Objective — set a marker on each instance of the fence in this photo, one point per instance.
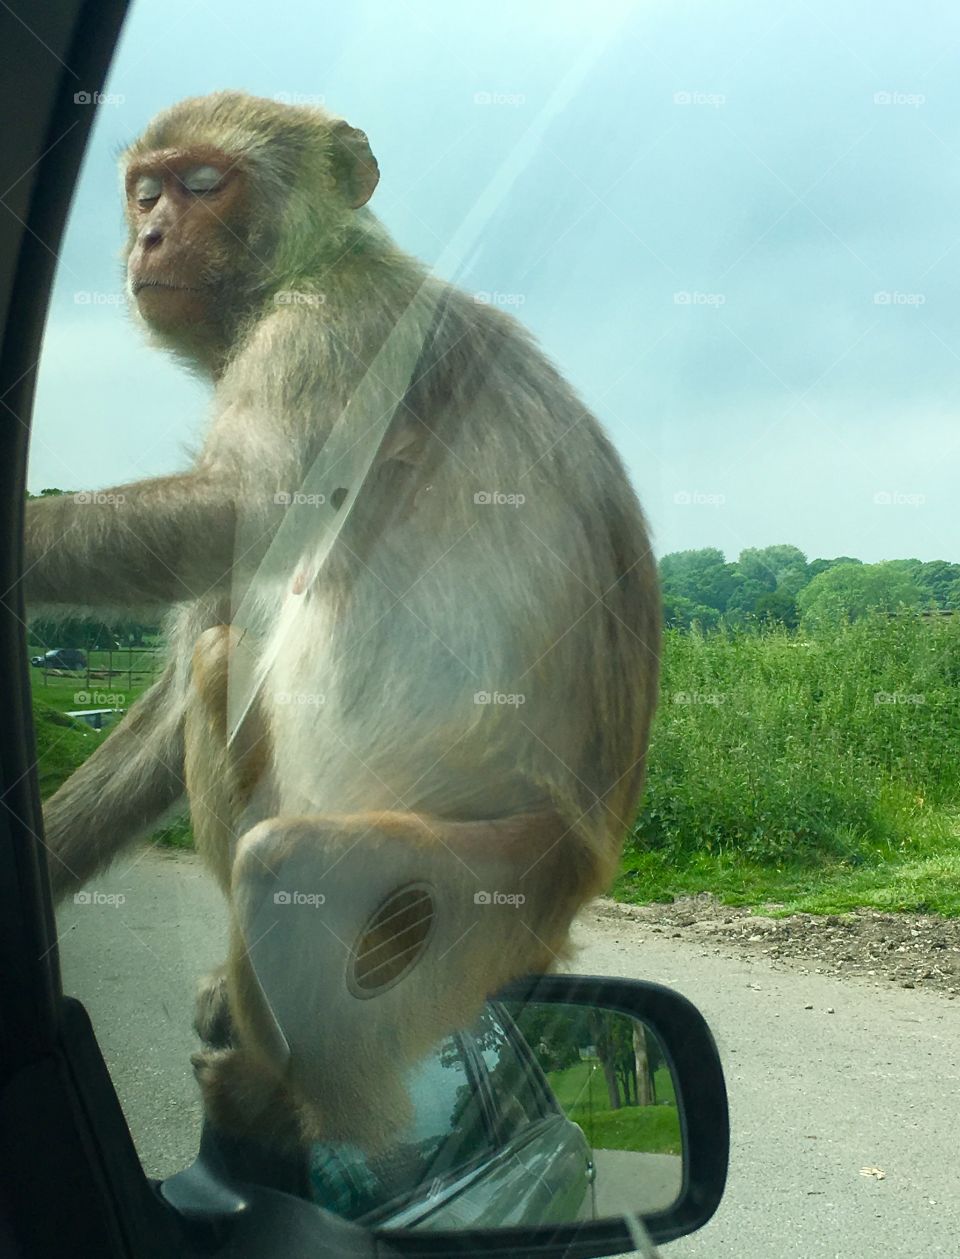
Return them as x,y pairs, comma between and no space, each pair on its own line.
111,678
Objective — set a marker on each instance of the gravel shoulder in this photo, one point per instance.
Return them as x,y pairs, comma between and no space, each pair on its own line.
909,950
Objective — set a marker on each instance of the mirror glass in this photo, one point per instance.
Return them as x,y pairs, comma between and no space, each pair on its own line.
539,1114
611,1076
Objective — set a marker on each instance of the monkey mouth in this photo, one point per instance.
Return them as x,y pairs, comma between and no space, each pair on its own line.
140,285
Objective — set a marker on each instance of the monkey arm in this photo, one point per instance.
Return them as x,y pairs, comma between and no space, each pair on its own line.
152,542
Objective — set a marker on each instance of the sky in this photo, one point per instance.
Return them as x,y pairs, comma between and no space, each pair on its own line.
734,226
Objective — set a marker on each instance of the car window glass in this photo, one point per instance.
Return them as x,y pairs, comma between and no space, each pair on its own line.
733,231
514,1080
138,934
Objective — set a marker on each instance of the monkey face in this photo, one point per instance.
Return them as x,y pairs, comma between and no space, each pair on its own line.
185,208
208,189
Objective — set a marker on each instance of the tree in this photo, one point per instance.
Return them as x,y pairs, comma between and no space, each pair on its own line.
816,567
644,1085
773,567
938,578
604,1039
779,607
89,634
681,613
629,1057
744,598
846,591
703,577
555,1033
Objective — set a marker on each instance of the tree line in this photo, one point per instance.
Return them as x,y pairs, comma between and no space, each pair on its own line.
778,584
772,584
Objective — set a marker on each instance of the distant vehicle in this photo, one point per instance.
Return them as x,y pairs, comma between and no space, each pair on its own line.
61,658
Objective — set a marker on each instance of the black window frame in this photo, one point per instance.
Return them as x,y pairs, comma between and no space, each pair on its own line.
68,1167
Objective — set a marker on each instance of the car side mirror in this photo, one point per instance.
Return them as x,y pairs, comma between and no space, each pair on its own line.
633,1125
578,1116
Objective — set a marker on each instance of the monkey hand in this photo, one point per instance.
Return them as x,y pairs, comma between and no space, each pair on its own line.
243,1099
211,1018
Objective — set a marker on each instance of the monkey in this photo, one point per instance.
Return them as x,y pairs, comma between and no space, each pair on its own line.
413,626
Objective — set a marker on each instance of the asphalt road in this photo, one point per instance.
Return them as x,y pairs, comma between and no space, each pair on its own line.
867,1077
636,1182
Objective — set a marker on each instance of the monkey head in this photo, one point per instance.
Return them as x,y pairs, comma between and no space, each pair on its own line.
231,199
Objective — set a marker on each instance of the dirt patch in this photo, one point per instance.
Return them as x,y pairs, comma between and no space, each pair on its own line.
912,950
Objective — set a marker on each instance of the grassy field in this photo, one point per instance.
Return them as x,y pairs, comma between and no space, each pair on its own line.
817,774
582,1092
791,773
111,680
69,694
62,745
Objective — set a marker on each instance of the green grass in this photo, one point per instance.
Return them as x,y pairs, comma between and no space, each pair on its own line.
781,770
923,885
581,1085
176,834
67,693
646,1129
582,1093
62,745
62,693
133,671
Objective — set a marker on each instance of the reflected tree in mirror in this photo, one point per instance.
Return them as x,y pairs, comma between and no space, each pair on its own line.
609,1074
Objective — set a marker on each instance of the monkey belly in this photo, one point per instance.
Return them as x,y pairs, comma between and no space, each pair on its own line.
385,761
353,729
397,709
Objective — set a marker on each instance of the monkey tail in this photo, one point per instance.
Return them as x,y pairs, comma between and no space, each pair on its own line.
120,793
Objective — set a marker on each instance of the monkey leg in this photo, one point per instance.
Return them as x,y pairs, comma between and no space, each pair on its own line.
211,1011
359,942
220,778
120,792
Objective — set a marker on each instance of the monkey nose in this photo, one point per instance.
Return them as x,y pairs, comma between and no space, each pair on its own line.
152,236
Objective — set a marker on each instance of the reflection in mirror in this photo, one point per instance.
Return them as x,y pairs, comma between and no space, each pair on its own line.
539,1114
610,1075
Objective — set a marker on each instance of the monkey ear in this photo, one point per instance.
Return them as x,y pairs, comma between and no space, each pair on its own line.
354,165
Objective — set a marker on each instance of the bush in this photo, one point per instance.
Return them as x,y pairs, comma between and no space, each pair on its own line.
790,750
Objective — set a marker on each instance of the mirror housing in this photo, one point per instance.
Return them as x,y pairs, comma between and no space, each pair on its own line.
694,1061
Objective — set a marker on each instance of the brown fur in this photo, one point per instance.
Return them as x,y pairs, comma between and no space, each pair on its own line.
285,292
